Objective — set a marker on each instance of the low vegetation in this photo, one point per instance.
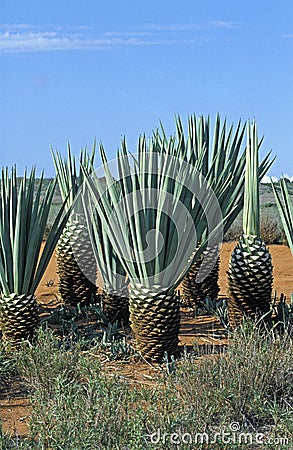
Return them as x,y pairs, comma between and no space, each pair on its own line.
77,403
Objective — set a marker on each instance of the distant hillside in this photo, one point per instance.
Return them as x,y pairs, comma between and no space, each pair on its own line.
272,230
267,197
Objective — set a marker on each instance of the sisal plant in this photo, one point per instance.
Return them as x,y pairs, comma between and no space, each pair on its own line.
219,157
24,209
154,210
250,274
285,207
75,258
114,294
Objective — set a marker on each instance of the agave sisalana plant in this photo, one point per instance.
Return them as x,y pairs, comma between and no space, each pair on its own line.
250,274
285,207
114,295
222,162
24,208
75,259
153,212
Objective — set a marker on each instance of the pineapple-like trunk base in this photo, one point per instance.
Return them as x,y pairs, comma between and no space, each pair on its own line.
250,282
115,305
18,318
76,264
201,280
74,287
155,321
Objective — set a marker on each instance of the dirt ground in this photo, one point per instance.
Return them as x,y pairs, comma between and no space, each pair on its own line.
281,257
282,262
15,409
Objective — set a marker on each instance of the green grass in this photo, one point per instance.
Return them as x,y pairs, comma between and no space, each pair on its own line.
79,404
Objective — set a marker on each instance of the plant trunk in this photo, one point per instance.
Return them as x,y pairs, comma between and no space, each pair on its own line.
18,318
201,280
76,266
250,282
155,321
115,305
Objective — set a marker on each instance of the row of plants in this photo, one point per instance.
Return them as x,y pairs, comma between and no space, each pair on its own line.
153,220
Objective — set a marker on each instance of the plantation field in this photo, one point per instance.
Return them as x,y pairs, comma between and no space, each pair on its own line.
205,330
85,380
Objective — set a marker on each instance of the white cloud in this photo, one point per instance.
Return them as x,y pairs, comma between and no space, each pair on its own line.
15,26
267,179
35,41
32,38
50,41
221,24
170,27
127,33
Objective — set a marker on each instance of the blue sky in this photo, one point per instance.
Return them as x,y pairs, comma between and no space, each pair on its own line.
78,70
